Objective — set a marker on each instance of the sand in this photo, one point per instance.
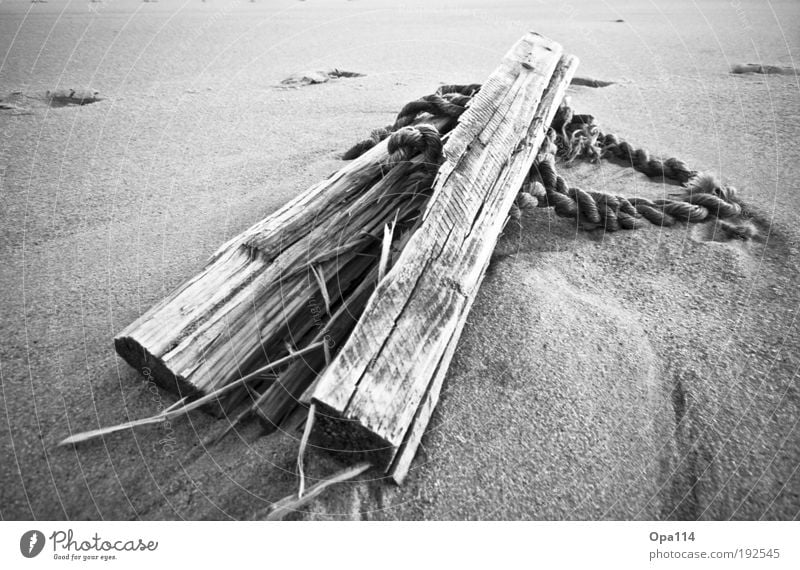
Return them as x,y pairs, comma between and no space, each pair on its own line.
637,375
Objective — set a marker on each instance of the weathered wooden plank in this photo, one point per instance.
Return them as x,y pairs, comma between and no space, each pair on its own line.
293,220
547,109
254,294
373,391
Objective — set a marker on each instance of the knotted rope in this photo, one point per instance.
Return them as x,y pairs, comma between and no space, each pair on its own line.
575,136
446,106
423,139
448,101
376,136
467,90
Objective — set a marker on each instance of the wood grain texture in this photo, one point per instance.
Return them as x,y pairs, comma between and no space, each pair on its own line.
402,461
257,292
384,383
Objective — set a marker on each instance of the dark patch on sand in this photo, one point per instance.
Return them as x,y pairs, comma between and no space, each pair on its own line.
679,403
317,76
72,97
589,82
744,68
684,502
19,103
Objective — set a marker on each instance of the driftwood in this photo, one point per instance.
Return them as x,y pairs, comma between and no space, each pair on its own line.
370,274
377,395
273,288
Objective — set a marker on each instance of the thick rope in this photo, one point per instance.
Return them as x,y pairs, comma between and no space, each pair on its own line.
376,136
420,139
450,102
614,212
575,136
468,90
641,160
433,104
580,137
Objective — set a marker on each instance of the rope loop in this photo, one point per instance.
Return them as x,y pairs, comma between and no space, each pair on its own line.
433,104
420,139
573,136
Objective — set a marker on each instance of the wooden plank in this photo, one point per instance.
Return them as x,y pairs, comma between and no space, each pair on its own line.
255,292
547,109
372,393
295,384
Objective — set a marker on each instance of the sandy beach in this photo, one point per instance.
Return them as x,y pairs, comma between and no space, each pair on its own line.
649,374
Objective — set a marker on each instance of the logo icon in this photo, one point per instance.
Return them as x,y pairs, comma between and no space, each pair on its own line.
31,543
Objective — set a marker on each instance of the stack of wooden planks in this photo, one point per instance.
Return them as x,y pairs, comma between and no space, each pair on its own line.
293,279
377,266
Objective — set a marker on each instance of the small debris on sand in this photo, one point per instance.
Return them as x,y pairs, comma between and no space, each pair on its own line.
64,97
317,76
740,68
589,82
19,103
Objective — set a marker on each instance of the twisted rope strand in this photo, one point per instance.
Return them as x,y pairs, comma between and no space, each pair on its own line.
611,212
574,136
638,158
376,136
433,104
420,139
468,90
449,104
